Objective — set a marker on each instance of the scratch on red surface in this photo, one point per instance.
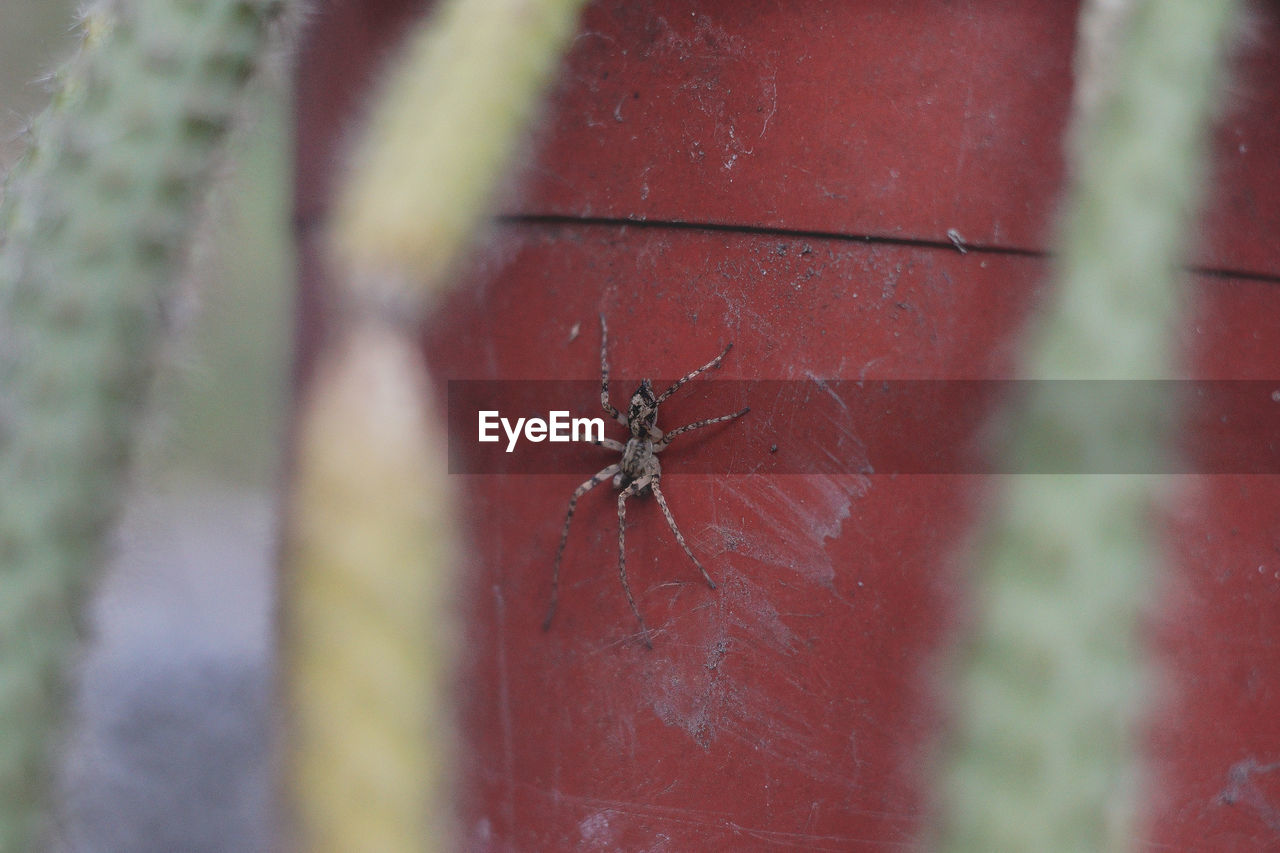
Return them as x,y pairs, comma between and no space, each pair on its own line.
709,52
805,841
695,700
786,521
597,827
1244,786
708,688
504,708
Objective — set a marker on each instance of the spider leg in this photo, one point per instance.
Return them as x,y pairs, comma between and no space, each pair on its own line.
715,362
666,439
599,478
671,522
611,443
630,490
604,375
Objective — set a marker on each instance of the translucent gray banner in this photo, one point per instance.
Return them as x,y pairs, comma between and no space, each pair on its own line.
818,426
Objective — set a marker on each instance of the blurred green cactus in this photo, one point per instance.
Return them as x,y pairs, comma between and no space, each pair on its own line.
94,225
1050,684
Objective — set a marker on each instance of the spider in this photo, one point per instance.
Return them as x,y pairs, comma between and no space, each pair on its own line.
638,472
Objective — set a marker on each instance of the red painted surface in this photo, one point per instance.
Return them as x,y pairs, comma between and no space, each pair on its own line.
795,707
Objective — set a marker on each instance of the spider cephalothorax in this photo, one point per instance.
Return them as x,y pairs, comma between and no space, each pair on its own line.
642,412
638,471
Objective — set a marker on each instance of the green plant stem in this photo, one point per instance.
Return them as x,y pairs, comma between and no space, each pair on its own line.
95,219
1047,692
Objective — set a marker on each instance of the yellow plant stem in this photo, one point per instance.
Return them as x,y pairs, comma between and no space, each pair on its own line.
370,578
444,132
370,564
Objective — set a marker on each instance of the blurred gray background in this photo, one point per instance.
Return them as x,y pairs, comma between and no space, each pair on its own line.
169,748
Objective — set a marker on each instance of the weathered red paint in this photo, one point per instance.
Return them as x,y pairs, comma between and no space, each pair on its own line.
797,706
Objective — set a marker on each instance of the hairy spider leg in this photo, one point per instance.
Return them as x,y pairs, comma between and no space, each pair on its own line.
671,522
646,462
659,446
604,376
633,489
604,474
713,363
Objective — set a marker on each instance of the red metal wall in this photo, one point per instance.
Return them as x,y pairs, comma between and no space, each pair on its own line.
796,707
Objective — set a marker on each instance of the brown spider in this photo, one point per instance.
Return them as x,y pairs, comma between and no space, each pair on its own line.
638,472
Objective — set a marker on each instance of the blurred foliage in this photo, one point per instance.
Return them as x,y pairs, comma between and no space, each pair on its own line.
222,390
104,214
